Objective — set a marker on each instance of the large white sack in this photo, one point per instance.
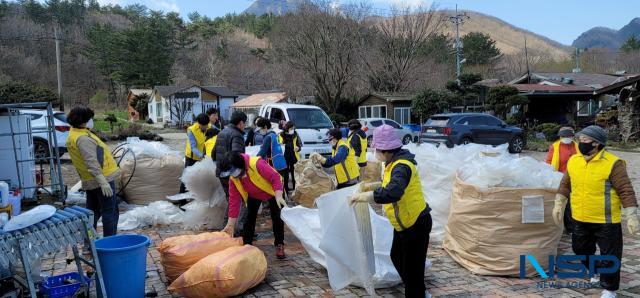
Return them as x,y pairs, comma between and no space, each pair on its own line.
329,235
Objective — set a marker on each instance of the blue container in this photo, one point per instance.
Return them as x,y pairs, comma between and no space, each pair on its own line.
55,286
123,259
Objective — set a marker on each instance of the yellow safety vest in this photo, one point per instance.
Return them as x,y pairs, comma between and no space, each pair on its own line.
200,137
593,199
404,213
363,144
209,144
109,165
555,160
347,171
255,178
295,142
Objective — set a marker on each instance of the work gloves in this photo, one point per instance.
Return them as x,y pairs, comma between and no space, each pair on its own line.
231,226
630,214
370,186
361,197
105,187
558,209
280,200
317,159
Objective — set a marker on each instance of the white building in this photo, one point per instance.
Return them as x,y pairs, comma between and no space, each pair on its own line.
174,104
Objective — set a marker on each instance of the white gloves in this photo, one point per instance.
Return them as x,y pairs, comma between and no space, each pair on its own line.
231,226
370,186
558,209
630,214
363,197
280,200
105,187
317,159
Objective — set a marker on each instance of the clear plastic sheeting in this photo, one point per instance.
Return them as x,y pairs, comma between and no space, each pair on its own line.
201,181
332,237
157,213
149,149
481,165
199,216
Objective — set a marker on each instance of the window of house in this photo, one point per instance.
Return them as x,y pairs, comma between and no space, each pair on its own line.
402,115
588,107
372,111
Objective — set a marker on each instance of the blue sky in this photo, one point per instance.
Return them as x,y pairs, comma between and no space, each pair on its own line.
560,20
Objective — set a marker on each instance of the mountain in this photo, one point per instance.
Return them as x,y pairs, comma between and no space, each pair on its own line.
277,7
509,39
606,37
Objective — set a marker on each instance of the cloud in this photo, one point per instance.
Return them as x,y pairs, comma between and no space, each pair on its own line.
109,2
168,5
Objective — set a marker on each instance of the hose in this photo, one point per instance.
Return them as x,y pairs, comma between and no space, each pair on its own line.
119,154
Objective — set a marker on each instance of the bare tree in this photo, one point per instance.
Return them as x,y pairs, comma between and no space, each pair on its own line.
323,43
180,109
396,59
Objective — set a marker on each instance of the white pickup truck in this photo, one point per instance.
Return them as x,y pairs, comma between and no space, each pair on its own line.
311,122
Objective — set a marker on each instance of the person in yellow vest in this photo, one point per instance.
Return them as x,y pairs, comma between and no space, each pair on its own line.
194,150
292,146
343,160
358,142
96,167
601,197
253,181
401,195
558,157
211,135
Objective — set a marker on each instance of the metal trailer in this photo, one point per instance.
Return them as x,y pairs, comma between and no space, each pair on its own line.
56,187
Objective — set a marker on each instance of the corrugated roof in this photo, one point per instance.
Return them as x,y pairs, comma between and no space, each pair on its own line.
258,99
393,97
549,88
594,80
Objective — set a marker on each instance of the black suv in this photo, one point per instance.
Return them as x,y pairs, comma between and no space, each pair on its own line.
465,128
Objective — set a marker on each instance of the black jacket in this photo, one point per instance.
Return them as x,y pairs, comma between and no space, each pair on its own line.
287,140
357,145
230,139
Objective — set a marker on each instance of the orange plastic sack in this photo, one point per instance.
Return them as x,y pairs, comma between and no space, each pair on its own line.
178,254
230,272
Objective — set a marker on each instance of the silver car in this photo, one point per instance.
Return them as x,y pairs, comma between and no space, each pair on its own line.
369,124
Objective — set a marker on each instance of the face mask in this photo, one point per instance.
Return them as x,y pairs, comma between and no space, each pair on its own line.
90,124
380,156
291,131
236,173
585,148
566,141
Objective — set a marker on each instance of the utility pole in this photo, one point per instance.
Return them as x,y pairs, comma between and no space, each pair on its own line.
56,33
458,19
526,57
577,69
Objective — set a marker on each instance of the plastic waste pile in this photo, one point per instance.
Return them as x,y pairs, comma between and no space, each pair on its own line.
156,213
480,165
335,238
150,171
208,208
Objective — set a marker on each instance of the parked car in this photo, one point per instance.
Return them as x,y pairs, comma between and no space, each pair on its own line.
461,129
311,122
40,134
369,124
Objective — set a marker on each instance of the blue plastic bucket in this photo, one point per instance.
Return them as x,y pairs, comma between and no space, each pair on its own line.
123,259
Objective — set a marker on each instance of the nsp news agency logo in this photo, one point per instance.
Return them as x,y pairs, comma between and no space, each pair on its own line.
570,266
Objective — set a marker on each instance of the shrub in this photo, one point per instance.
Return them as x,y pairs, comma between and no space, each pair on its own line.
550,130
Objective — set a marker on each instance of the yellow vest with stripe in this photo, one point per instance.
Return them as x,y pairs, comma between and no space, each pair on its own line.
255,178
404,213
295,144
209,144
363,144
555,159
200,137
593,199
109,165
347,171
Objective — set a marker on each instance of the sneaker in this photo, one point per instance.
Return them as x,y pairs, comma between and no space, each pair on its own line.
595,279
608,294
280,251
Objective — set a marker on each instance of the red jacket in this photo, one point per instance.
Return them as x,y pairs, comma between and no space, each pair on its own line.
566,151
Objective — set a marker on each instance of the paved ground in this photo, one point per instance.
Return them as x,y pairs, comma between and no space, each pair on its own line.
299,276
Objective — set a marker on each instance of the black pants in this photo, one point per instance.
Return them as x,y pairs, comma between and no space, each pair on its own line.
105,207
187,163
250,225
291,166
568,219
409,253
608,237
